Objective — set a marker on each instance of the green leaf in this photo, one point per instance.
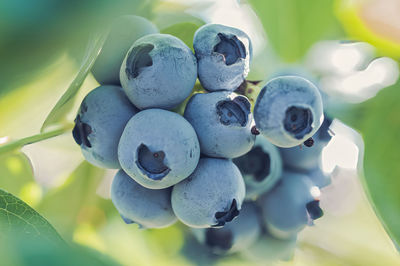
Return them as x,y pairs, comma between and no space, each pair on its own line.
184,31
16,172
292,26
36,252
75,201
378,121
16,217
64,105
168,14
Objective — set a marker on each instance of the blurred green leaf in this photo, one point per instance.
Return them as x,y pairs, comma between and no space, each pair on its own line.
167,14
33,34
292,26
64,105
184,31
378,121
20,251
15,171
17,217
75,201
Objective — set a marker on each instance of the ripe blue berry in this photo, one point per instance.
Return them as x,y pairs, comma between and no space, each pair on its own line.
223,122
234,236
101,119
291,205
211,196
223,55
147,207
159,71
288,111
158,148
261,167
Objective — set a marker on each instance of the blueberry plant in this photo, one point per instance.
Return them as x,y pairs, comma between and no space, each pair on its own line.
199,144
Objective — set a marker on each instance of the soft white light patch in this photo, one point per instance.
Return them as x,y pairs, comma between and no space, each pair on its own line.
3,140
359,86
336,58
346,58
315,192
343,150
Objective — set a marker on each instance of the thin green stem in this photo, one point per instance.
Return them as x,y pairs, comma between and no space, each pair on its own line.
16,144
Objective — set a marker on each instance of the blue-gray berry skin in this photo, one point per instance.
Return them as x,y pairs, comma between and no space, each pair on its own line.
223,54
99,123
124,31
158,148
261,168
269,248
288,111
319,178
223,123
211,196
147,207
234,236
306,158
290,205
159,71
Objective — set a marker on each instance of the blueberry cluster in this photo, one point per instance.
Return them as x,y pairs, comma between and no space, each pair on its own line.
240,182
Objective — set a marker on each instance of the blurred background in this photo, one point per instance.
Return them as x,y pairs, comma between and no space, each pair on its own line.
350,47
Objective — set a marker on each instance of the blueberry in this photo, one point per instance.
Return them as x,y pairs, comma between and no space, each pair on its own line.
211,196
306,158
269,248
158,148
99,123
124,31
290,205
261,167
159,71
147,207
234,236
223,54
223,122
288,111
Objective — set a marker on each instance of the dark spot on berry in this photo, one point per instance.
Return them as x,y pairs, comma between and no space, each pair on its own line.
226,216
298,121
219,239
309,142
256,163
314,210
231,47
81,132
138,58
151,163
255,131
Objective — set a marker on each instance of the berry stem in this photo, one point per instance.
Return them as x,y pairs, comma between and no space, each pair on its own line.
17,144
250,89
